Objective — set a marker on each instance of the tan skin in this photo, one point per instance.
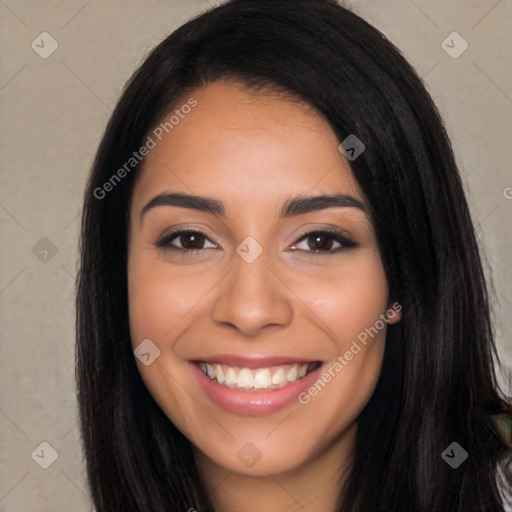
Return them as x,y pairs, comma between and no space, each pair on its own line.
252,151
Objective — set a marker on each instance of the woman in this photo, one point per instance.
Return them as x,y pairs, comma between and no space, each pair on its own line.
281,303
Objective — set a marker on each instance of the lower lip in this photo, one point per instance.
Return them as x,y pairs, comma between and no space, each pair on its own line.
253,403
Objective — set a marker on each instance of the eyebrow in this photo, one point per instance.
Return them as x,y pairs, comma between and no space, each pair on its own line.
292,206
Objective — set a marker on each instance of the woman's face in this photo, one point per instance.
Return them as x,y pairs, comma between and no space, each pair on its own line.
254,291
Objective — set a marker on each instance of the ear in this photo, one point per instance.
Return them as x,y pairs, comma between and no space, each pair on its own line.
394,312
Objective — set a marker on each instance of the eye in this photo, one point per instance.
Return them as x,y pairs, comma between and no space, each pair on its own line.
322,242
192,241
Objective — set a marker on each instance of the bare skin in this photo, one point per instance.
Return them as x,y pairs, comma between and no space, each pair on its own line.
253,151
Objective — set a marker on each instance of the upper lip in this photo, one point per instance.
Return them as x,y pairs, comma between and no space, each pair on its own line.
252,361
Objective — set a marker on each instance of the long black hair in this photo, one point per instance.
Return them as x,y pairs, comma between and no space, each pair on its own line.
438,381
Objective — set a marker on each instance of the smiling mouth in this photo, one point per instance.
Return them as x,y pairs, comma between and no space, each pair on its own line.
257,379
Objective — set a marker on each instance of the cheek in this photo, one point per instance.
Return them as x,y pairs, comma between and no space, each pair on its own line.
351,301
351,306
145,305
159,299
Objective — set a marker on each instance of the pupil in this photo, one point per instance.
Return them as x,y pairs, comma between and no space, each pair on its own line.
320,237
192,237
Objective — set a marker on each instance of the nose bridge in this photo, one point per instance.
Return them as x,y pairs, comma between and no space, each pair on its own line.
251,296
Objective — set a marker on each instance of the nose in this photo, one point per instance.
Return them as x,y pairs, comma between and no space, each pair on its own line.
252,297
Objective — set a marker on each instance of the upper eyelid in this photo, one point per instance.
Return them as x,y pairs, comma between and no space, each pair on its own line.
165,238
173,233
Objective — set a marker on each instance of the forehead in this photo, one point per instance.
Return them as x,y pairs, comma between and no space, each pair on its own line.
245,147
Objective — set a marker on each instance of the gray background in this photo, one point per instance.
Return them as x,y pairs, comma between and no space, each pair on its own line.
53,113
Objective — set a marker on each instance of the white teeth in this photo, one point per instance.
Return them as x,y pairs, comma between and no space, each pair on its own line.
244,379
219,374
291,375
279,377
258,379
230,377
262,379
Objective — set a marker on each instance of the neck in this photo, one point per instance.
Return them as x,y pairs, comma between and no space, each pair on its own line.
314,486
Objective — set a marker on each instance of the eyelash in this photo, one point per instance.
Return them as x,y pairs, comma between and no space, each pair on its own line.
164,241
